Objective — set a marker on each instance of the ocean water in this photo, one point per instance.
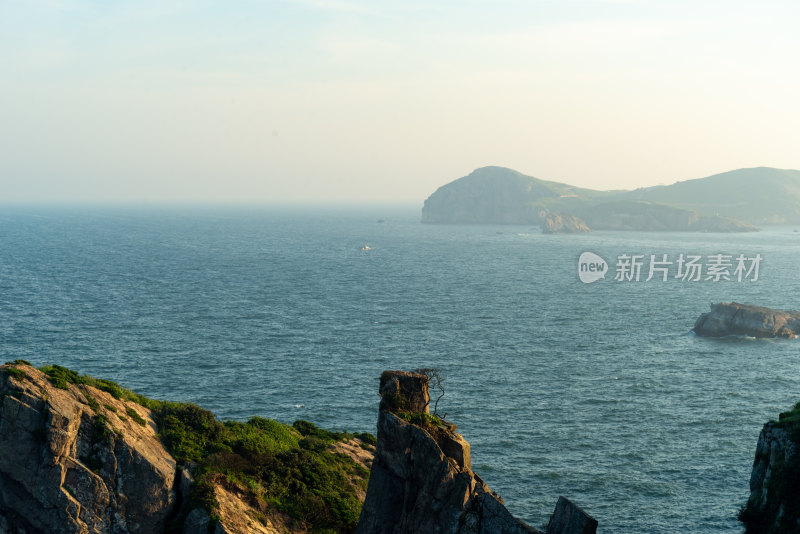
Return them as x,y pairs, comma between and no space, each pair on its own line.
598,392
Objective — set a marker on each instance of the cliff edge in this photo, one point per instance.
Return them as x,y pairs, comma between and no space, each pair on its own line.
774,503
84,455
76,459
422,481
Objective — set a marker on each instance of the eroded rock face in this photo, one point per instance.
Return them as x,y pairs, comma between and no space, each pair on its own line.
772,505
736,319
404,391
555,223
421,478
63,469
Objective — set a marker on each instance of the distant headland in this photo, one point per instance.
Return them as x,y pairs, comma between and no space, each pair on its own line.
734,201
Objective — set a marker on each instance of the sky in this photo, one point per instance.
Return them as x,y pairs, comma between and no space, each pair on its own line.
349,101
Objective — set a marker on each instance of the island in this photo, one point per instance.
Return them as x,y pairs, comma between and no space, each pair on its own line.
735,201
734,319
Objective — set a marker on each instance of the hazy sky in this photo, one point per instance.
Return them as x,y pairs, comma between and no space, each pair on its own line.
293,100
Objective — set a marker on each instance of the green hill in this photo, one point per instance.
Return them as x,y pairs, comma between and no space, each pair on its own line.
728,202
502,196
761,195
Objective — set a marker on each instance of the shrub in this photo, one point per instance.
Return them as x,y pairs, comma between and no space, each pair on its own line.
103,428
189,432
425,420
307,428
93,404
367,438
18,374
60,377
133,414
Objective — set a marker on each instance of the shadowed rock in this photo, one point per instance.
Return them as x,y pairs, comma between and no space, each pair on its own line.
570,519
736,319
772,507
404,391
421,478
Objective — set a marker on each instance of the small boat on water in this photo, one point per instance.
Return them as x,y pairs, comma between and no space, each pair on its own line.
366,247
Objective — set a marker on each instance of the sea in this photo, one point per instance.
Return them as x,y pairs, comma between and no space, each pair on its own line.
596,391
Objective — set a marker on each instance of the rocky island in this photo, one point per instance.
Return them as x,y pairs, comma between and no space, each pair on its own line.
736,319
734,201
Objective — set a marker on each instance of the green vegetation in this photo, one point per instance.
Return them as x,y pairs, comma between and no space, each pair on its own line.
133,414
18,374
791,419
367,439
103,428
92,402
291,469
425,420
61,377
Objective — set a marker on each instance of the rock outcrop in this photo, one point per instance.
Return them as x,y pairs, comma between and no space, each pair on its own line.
421,479
774,503
568,517
556,223
76,460
736,319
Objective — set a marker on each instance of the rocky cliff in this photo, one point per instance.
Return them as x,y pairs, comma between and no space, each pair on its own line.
557,223
75,459
736,319
422,481
83,455
774,503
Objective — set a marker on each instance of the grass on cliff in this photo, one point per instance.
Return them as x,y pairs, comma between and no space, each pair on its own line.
61,376
291,469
